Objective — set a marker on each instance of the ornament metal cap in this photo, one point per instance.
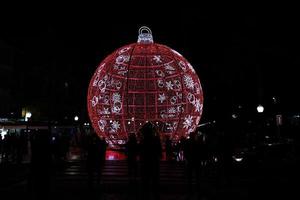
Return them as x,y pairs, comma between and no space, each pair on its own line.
145,35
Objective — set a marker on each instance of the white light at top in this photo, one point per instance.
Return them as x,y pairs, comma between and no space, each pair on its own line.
76,118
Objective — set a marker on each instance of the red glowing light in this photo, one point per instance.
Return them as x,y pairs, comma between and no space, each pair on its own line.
141,82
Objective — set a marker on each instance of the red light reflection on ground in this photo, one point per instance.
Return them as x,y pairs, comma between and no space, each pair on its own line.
115,155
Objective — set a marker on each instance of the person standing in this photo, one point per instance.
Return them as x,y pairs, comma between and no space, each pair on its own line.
132,154
168,149
95,158
192,162
151,153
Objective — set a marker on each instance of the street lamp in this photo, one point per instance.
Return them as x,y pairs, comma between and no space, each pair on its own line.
76,118
27,116
260,109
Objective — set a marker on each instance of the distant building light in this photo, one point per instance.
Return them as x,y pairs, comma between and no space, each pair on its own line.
3,132
260,109
234,116
215,159
4,120
278,120
237,159
76,118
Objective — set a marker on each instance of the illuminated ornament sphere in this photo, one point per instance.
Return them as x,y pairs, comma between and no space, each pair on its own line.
142,82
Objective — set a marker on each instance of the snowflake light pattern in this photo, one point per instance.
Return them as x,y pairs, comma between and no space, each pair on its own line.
115,126
116,97
162,98
188,121
188,81
169,85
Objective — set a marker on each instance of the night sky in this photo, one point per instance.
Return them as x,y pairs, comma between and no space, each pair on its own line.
241,59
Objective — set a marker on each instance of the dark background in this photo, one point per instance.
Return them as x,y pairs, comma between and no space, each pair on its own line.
242,58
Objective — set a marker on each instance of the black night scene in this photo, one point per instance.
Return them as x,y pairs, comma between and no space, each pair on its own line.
155,104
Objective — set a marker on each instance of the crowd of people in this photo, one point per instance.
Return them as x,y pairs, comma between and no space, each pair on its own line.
144,151
195,151
19,146
13,147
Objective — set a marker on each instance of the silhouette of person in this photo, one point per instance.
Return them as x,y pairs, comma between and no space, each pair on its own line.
132,151
180,149
95,158
40,173
168,149
203,151
132,154
150,161
192,161
226,148
21,146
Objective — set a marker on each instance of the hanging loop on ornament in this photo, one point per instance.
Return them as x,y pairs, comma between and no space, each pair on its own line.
145,35
145,28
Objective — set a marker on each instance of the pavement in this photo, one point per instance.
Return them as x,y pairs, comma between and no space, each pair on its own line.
68,180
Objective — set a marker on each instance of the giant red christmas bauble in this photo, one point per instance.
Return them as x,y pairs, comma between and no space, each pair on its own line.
141,82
